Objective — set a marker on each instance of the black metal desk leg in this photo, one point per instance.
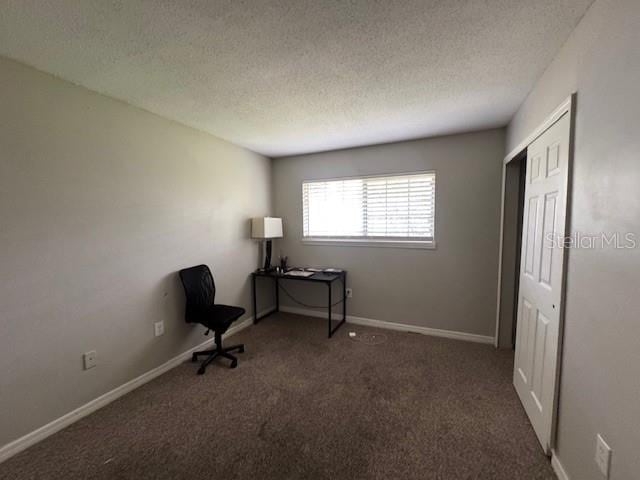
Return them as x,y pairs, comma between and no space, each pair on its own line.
253,297
329,309
344,296
277,295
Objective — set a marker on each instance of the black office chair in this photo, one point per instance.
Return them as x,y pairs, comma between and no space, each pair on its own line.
200,291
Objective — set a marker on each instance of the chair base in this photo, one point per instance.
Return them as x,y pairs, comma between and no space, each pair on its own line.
219,351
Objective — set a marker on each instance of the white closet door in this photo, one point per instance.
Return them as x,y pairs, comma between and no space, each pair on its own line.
541,277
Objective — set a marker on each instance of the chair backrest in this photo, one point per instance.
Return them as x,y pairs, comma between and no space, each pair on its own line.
200,291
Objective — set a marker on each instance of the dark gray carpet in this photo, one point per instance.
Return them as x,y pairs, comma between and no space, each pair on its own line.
300,406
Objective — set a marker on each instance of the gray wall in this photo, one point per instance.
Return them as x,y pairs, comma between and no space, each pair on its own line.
100,203
452,287
600,390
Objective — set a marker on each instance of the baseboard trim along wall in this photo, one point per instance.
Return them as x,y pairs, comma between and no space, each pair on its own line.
557,467
24,442
401,327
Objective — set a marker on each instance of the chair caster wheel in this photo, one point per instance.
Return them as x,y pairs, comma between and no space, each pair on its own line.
241,349
234,364
194,358
201,371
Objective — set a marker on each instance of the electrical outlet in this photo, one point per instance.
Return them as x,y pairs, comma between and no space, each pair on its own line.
349,293
159,328
89,359
603,455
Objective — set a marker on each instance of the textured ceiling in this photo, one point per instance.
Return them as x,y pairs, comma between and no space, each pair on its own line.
285,77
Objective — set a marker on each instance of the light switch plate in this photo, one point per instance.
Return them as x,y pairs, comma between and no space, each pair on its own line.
603,455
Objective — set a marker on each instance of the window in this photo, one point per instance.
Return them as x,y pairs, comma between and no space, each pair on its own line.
394,210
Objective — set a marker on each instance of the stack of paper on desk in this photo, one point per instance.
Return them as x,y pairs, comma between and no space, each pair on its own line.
299,273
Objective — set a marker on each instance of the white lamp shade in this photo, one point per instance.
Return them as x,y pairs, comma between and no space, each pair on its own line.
266,227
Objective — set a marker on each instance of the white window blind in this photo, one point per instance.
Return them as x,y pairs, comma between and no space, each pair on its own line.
396,207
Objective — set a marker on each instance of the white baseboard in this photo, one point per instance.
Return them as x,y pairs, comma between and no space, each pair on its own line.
557,467
370,322
24,442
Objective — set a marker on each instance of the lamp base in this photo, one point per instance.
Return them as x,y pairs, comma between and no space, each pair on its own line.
267,255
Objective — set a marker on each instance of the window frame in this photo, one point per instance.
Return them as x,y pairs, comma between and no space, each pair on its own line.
395,242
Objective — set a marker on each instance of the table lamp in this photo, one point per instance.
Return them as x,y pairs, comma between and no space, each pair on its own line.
266,228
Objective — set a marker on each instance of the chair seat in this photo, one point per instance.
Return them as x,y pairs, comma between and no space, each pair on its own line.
220,317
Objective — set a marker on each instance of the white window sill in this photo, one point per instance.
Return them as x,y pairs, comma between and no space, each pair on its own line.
345,242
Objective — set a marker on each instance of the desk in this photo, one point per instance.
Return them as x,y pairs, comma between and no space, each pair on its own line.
321,277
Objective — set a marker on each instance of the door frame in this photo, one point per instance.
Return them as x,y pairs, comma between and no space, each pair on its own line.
567,107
